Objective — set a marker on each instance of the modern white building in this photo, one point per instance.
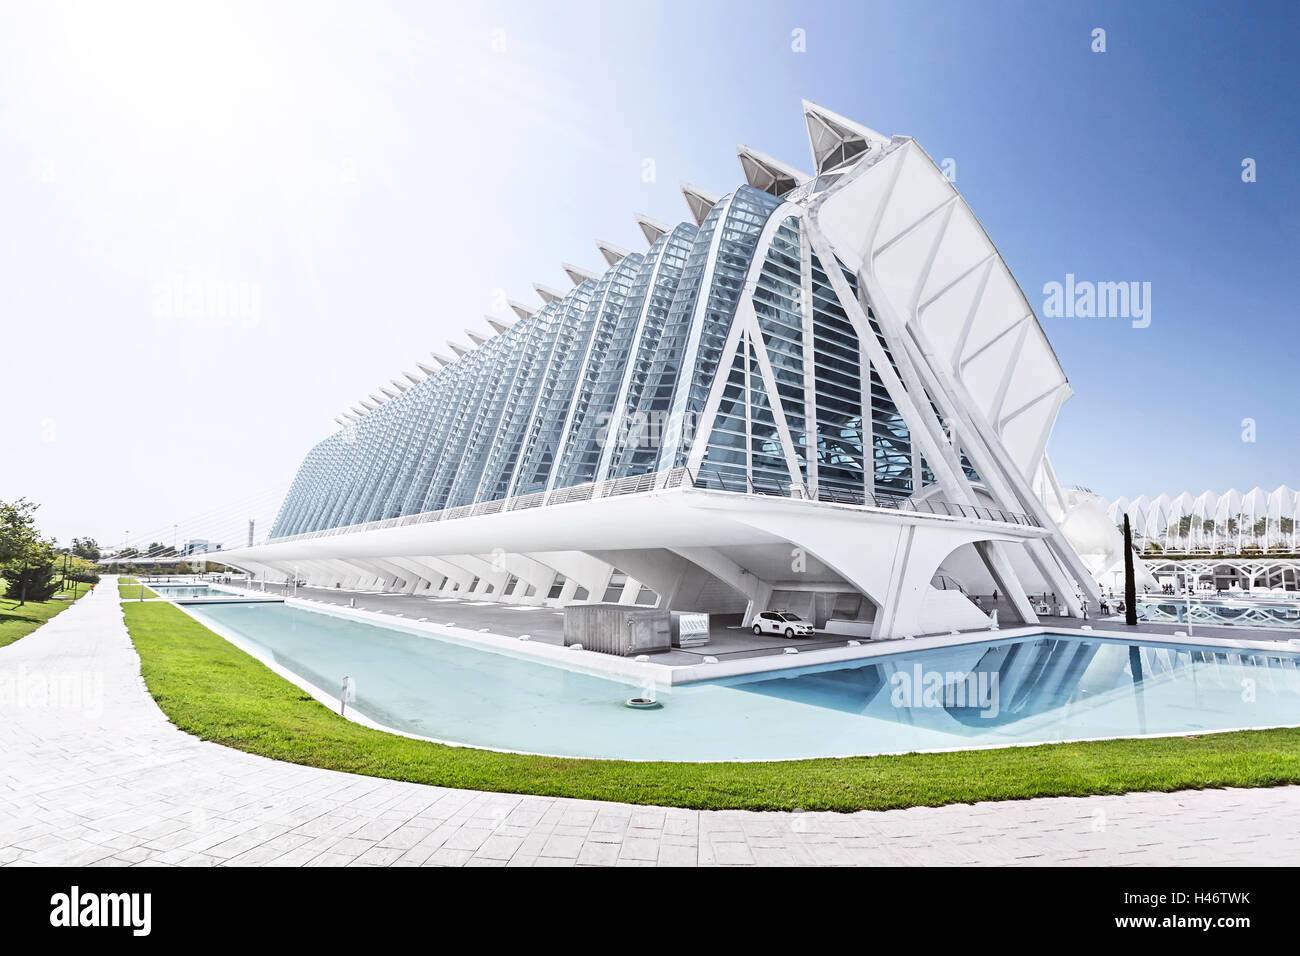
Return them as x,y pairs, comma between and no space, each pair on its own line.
823,392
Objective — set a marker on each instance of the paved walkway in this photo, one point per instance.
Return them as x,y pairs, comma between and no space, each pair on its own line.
92,773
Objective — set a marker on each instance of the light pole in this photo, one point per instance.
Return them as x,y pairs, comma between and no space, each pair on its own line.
1187,582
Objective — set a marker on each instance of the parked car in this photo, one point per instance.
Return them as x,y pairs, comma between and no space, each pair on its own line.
782,622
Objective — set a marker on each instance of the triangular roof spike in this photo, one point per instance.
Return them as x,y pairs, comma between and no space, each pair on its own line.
520,309
399,385
412,377
352,415
388,392
498,325
341,420
613,254
835,139
376,399
367,406
548,294
442,358
700,202
427,370
357,411
577,274
476,337
460,350
652,229
768,174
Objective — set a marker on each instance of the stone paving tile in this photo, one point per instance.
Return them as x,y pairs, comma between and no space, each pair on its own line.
123,787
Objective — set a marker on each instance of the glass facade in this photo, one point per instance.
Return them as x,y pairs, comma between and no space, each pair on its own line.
653,365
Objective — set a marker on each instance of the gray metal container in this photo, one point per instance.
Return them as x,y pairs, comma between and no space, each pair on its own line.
690,629
621,629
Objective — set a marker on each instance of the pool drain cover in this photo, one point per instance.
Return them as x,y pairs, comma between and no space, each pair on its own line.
642,703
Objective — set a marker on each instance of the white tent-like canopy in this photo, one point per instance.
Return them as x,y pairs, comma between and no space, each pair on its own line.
1218,522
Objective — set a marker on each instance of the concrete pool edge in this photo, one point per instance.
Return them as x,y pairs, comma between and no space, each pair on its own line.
628,670
883,648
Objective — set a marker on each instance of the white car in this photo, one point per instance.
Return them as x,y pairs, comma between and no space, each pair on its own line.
782,622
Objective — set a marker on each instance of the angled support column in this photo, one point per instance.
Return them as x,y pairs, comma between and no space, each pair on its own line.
891,560
579,569
758,592
999,565
485,569
660,570
442,568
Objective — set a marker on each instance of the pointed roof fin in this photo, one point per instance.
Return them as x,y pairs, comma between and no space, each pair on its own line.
768,174
548,294
520,310
700,202
613,254
577,274
652,229
836,140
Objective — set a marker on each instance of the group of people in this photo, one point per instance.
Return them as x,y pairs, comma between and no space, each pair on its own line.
1046,602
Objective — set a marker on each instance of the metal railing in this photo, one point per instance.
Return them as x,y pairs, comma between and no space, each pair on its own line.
709,478
859,497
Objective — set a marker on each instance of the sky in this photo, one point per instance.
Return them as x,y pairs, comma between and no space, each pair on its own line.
352,185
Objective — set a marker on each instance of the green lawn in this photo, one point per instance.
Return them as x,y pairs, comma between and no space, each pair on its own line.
129,589
16,621
215,691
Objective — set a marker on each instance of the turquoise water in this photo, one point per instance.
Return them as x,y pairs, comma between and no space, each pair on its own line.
1028,690
174,591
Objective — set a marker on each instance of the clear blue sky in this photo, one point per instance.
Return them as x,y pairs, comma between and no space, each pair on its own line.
381,174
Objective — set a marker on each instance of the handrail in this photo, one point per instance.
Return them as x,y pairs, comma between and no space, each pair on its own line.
710,478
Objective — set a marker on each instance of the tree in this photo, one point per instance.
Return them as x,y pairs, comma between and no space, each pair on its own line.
17,527
26,559
30,574
80,569
87,548
1130,582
